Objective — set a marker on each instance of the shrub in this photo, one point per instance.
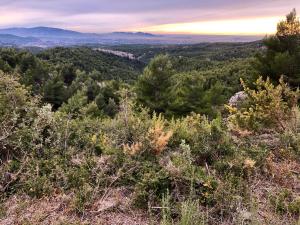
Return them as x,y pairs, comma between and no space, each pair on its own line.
208,140
231,195
157,135
284,202
185,175
17,108
82,199
188,213
135,132
291,136
128,128
152,182
78,101
38,186
269,106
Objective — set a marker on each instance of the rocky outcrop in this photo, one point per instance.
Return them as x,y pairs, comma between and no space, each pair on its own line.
238,99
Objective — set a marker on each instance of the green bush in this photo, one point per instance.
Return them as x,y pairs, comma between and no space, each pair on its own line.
152,182
189,213
208,140
82,199
269,107
291,136
38,186
284,202
17,110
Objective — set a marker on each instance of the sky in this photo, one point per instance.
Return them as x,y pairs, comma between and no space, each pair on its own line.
242,17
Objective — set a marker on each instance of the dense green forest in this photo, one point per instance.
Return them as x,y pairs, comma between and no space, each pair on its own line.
202,51
88,137
56,75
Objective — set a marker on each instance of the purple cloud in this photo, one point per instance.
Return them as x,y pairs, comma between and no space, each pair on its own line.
110,15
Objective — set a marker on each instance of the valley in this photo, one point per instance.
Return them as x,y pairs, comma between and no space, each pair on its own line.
135,128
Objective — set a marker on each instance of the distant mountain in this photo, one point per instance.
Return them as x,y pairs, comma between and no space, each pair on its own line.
50,37
134,34
40,32
8,39
45,32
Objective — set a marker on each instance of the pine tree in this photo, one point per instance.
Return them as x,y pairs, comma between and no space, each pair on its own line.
282,56
55,92
152,86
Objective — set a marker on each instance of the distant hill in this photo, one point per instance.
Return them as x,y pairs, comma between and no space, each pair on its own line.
9,39
202,51
45,32
51,37
86,59
134,34
40,32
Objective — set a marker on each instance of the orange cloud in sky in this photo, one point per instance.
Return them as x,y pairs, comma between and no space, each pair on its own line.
251,26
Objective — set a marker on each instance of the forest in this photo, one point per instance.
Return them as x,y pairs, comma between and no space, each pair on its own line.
198,134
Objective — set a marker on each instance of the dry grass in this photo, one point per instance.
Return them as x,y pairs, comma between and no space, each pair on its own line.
113,210
279,175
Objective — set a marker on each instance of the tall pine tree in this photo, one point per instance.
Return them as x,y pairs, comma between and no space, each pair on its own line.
153,85
282,55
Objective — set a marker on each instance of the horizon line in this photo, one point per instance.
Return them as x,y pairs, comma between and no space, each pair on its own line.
139,31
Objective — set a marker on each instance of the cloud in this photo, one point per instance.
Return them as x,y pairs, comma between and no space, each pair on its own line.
256,26
135,6
112,15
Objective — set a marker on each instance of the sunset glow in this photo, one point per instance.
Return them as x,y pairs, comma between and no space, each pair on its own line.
238,17
256,26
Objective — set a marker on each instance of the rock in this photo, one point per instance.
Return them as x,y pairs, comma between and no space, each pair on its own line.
246,215
238,99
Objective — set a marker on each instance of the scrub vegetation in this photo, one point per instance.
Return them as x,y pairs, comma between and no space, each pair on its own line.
92,138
